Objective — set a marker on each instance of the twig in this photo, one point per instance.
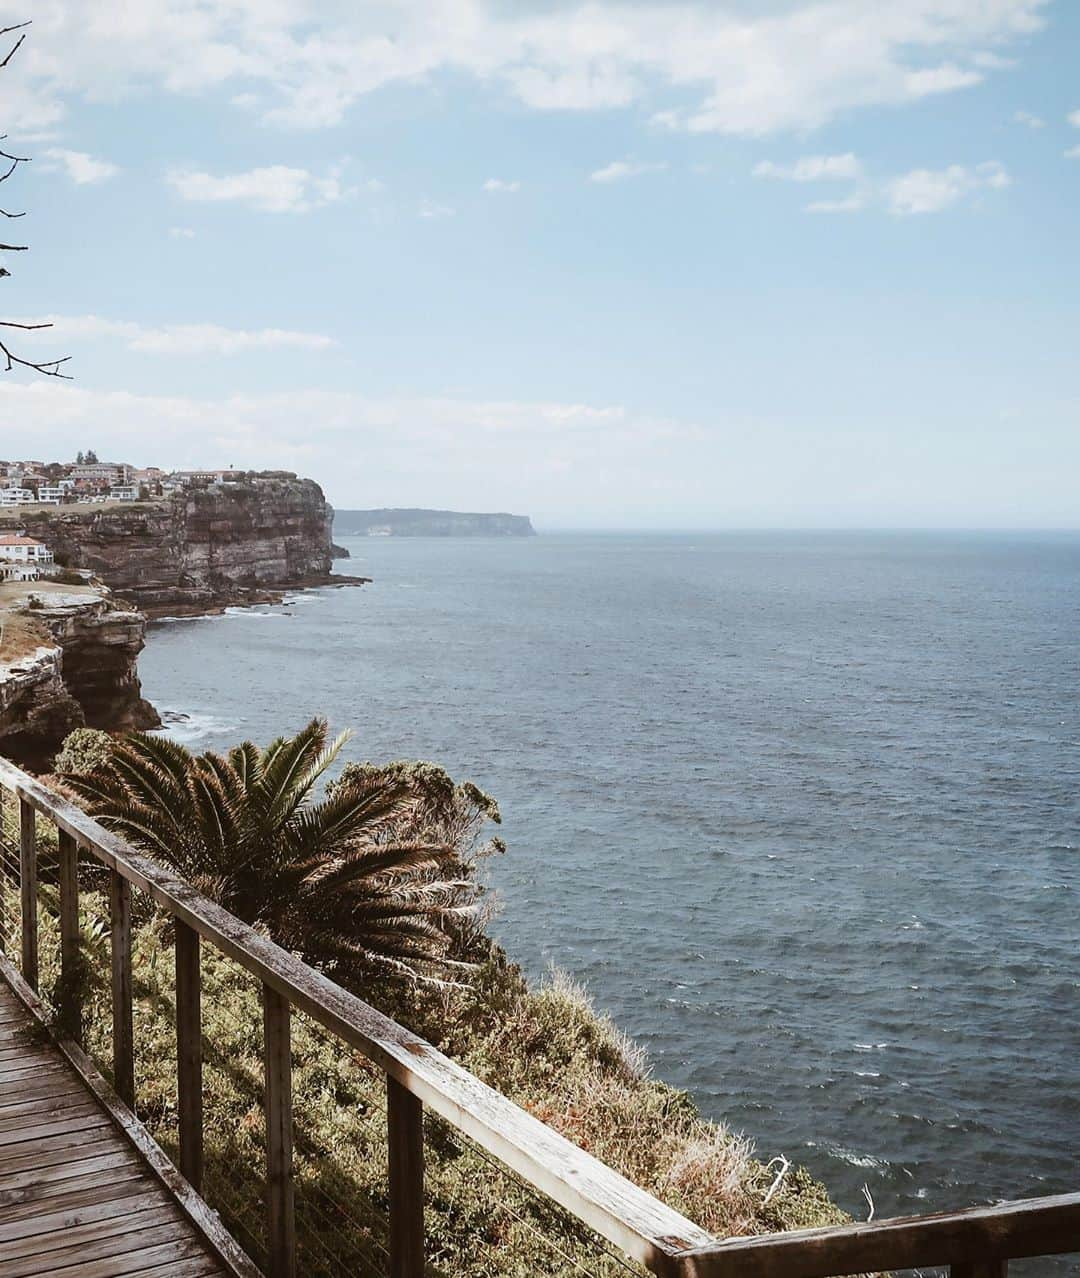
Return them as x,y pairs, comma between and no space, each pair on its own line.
49,367
870,1199
14,49
784,1166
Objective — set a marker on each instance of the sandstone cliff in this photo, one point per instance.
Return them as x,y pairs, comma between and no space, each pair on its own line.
75,667
200,548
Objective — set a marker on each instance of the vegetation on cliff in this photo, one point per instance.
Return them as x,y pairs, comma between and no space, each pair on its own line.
546,1048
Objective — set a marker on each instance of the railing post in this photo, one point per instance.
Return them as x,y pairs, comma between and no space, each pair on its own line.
189,1059
70,958
405,1129
281,1211
28,886
123,1028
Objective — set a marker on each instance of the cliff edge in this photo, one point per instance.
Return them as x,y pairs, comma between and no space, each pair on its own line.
67,660
198,549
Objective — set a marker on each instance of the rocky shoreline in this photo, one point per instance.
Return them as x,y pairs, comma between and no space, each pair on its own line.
70,656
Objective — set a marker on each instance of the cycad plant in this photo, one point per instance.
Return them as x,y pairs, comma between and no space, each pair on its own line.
329,877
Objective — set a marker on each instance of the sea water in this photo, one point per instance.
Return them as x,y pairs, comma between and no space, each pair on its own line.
802,811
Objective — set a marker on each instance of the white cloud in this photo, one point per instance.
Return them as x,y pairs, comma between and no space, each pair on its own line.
942,79
274,189
932,190
918,191
811,168
499,184
81,168
617,170
1074,119
1030,119
181,339
181,232
752,69
1073,153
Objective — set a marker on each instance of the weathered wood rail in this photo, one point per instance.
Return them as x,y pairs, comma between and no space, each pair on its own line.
975,1244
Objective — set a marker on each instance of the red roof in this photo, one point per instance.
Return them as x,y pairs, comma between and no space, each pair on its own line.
10,539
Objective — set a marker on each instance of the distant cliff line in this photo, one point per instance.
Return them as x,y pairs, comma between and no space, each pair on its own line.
415,522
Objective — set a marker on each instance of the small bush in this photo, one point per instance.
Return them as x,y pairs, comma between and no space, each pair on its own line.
83,750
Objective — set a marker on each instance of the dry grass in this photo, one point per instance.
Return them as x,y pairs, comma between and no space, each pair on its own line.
20,636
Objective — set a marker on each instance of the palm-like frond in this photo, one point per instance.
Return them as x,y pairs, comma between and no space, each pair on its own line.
353,880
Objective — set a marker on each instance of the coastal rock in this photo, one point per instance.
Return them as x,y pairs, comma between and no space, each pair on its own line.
201,548
83,673
36,709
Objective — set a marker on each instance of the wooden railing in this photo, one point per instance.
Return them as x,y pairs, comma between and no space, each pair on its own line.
976,1243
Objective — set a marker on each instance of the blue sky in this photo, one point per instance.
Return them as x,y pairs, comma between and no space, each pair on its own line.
634,264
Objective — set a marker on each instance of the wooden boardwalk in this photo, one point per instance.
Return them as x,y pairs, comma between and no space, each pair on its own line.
76,1198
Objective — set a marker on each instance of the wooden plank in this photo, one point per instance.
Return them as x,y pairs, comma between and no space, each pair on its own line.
54,1127
100,1163
632,1219
76,1107
13,1072
1036,1227
70,974
18,1204
116,1227
57,1150
189,1056
135,1261
28,893
84,1214
101,1248
206,1223
405,1136
12,1108
184,1269
26,1090
122,1021
981,1269
280,1205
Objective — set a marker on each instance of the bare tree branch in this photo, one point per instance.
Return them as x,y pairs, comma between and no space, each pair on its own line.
48,367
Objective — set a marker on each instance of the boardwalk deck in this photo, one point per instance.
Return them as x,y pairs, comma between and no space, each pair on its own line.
76,1198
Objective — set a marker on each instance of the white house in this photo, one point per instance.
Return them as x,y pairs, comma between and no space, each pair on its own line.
50,494
17,548
16,496
124,492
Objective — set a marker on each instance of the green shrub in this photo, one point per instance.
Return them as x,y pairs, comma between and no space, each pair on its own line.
83,750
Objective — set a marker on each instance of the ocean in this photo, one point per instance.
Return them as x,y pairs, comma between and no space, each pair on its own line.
800,810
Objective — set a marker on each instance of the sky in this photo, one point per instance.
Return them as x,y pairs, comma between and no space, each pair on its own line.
617,263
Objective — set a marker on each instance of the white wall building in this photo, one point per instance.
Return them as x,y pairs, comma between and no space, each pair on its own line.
16,496
17,548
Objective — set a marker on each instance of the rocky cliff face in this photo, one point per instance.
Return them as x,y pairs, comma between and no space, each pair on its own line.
201,548
36,709
83,674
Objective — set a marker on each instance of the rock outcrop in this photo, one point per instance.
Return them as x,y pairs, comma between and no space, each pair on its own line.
36,709
200,548
82,674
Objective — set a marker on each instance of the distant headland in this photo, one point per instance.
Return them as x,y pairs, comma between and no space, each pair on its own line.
429,523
